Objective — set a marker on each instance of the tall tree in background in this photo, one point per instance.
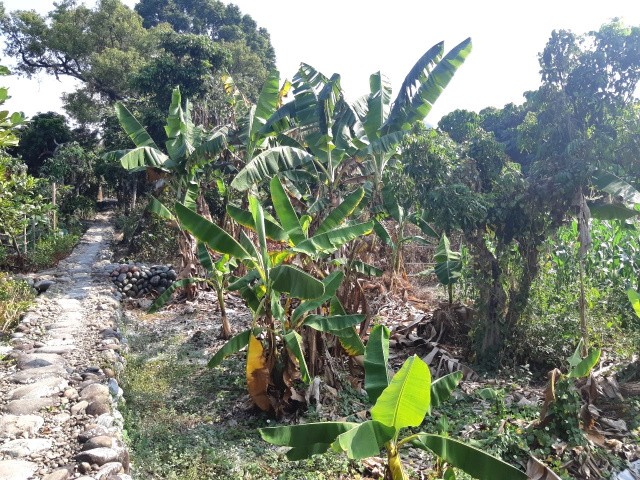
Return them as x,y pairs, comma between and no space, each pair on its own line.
578,124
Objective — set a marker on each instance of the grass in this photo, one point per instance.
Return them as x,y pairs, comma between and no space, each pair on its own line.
184,421
15,297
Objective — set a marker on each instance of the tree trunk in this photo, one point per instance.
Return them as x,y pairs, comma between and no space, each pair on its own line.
226,328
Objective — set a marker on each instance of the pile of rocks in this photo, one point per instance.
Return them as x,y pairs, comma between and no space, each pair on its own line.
137,280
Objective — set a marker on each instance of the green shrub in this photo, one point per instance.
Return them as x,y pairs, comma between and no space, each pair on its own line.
50,250
15,298
79,206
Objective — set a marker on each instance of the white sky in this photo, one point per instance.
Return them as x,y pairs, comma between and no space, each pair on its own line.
356,38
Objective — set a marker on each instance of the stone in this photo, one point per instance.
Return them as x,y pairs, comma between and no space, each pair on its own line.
79,408
95,391
37,360
42,388
17,469
113,387
70,393
97,408
43,285
18,424
59,349
102,441
25,447
102,455
61,417
155,280
84,467
90,433
35,374
107,470
60,474
30,405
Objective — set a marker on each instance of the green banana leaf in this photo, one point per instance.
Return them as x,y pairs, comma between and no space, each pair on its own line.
471,460
335,322
385,145
191,196
204,257
159,209
424,84
238,283
364,440
442,387
615,186
332,240
306,451
405,402
448,264
611,211
583,368
132,127
376,357
331,283
139,158
382,233
341,212
634,298
378,105
162,299
235,344
305,434
244,218
298,284
285,211
294,342
211,147
366,269
418,220
269,163
267,102
209,233
258,220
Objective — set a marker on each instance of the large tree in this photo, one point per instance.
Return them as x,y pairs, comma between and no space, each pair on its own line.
576,126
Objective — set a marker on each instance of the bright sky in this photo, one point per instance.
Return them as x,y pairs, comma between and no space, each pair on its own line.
356,38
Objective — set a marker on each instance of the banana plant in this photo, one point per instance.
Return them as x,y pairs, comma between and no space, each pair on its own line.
189,148
217,278
275,361
403,216
401,402
311,250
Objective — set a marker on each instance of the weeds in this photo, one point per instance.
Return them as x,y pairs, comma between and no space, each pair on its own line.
15,297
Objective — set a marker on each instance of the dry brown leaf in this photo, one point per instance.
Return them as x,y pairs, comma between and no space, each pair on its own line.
536,470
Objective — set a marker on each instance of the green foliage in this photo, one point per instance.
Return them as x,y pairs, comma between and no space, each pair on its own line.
403,403
49,250
15,297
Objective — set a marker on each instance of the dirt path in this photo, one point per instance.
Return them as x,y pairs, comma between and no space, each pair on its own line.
57,389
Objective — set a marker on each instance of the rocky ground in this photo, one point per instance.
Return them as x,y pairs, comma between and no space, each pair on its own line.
58,393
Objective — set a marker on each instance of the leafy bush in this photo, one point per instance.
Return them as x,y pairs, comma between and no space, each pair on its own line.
50,250
15,298
79,206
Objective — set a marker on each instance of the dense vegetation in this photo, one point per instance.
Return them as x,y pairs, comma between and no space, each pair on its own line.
286,193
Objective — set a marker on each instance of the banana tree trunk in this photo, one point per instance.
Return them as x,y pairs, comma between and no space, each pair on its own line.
226,328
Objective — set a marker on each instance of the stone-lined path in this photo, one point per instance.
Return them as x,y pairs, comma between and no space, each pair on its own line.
58,394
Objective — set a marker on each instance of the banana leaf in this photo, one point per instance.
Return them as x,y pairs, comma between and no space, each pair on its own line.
615,186
269,163
376,357
244,218
341,212
611,211
378,105
267,102
335,322
209,233
634,298
235,344
285,211
442,387
330,241
405,402
162,299
132,127
159,209
331,283
364,440
583,368
294,342
304,437
471,460
298,284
